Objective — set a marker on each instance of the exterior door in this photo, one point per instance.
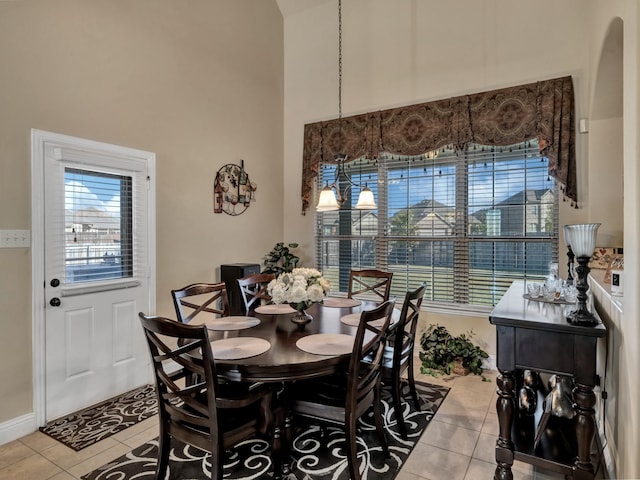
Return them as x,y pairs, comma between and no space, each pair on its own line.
97,271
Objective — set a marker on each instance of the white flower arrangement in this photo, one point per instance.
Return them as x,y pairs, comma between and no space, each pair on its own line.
300,288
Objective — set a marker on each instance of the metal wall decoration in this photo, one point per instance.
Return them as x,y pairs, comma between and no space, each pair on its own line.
233,192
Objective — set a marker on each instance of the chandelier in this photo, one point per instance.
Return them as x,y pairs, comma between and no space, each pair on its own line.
330,197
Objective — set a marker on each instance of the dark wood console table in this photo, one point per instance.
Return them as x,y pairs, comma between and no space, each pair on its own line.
535,335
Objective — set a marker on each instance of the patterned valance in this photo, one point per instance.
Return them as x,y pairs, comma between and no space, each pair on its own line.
542,110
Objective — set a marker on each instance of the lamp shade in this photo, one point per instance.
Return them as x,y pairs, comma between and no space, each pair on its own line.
581,238
327,201
366,200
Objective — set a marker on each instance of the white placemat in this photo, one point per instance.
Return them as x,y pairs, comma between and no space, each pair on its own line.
326,343
341,302
275,309
239,347
233,322
353,319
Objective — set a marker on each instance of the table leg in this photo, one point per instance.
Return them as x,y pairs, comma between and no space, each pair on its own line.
505,408
585,430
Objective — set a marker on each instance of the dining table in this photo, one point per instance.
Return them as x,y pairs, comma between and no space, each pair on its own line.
285,357
267,346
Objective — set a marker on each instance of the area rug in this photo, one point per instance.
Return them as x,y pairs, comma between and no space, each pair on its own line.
313,457
88,426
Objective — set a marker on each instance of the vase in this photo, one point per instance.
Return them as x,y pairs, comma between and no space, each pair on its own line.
301,317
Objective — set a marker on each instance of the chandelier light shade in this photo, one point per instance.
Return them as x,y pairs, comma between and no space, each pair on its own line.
582,240
366,200
327,201
330,197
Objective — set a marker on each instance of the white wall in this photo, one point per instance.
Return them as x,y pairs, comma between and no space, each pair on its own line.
200,83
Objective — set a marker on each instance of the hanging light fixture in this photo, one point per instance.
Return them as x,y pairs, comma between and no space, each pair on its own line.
330,198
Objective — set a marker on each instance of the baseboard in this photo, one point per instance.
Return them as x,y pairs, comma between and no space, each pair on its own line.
607,446
17,427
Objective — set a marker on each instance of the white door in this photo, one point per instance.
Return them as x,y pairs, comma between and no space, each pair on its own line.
98,245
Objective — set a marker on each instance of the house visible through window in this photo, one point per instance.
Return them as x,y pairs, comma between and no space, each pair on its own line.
466,222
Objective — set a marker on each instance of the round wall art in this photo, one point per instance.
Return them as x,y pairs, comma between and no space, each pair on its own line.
233,192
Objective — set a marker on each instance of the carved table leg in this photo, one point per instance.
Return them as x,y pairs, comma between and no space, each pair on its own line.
585,430
504,408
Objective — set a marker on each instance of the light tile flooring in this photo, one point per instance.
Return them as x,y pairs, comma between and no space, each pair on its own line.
457,445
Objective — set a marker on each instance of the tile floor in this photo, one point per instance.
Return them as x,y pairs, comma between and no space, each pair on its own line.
457,445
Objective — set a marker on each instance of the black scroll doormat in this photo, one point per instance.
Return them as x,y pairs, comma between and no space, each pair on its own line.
88,426
312,457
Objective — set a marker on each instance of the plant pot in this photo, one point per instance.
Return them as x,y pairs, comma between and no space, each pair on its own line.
459,369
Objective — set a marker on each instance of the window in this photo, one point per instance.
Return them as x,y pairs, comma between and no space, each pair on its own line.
467,222
98,226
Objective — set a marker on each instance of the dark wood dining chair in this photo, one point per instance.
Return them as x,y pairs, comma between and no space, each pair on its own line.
253,289
205,299
398,353
209,415
342,398
371,284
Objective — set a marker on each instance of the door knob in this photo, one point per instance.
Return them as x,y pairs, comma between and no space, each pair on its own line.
54,302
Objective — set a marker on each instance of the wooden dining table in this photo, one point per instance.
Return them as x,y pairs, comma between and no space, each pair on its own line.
284,360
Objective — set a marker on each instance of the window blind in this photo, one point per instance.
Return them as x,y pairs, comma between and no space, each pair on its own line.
466,222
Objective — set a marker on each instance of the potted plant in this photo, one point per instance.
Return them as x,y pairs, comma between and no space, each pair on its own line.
280,259
444,353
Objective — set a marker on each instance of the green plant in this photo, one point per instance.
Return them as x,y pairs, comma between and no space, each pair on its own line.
440,350
280,259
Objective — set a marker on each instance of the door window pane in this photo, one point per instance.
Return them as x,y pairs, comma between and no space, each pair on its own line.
98,226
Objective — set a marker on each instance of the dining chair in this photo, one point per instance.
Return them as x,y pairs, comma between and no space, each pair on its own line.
342,398
370,283
398,353
254,290
200,299
207,414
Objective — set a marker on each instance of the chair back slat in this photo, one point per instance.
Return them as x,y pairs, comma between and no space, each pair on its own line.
200,300
366,358
254,290
370,284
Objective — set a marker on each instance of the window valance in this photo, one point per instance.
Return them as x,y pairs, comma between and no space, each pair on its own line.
501,117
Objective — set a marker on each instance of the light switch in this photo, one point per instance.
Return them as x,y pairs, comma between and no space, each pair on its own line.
15,238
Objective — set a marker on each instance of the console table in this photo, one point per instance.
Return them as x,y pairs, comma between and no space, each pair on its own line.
536,336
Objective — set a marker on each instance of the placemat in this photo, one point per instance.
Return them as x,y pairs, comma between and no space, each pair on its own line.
353,320
233,322
341,302
275,309
326,343
239,347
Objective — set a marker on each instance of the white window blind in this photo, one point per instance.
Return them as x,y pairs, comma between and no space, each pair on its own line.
99,225
466,222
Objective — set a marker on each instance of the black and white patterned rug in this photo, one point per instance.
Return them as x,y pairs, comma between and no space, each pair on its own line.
312,457
88,426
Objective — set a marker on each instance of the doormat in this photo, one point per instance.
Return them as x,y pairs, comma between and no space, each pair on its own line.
313,457
88,426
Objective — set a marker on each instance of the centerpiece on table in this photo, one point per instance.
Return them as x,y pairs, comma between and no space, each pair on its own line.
299,288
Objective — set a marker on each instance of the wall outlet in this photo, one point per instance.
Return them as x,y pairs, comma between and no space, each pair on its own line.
15,238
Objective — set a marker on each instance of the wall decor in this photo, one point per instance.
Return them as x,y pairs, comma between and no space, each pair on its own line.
602,256
233,192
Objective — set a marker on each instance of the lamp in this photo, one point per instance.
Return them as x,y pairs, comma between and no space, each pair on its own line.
570,256
582,239
330,198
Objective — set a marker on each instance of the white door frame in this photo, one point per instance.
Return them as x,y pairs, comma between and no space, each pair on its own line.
38,139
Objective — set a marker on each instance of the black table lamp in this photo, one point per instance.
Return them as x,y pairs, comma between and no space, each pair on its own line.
582,239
